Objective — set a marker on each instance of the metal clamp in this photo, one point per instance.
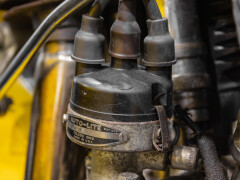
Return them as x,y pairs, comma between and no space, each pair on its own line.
162,145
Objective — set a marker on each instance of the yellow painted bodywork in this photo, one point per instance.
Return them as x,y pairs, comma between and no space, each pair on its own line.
14,129
52,90
161,5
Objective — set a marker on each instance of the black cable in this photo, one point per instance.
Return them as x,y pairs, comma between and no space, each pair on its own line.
184,115
177,135
153,11
97,8
53,20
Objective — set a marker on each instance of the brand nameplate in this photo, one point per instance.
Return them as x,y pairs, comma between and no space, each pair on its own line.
93,133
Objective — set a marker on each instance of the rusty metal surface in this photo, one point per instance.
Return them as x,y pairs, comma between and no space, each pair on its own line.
108,165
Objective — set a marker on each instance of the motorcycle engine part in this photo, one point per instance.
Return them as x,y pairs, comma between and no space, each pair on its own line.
236,141
184,157
125,33
112,109
88,44
157,44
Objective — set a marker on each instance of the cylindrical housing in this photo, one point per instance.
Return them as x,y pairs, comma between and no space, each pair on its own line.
191,81
185,23
184,157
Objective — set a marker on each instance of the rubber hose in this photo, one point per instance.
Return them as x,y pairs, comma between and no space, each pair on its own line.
212,165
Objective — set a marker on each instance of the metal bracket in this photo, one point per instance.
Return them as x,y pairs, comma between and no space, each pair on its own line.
164,144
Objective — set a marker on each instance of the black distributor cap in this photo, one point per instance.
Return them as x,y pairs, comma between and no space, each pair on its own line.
118,95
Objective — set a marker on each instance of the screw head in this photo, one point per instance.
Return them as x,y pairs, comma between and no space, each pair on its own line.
65,117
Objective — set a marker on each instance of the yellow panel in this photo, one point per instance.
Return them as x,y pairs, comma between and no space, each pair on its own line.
52,90
47,125
161,6
14,128
1,15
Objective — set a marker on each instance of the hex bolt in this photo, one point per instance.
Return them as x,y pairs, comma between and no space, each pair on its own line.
128,176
